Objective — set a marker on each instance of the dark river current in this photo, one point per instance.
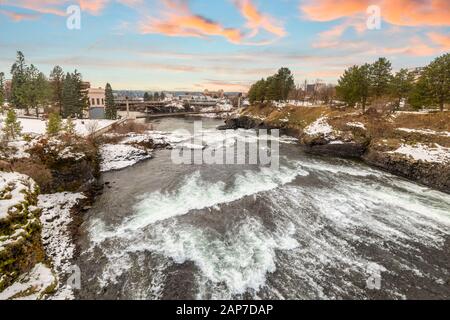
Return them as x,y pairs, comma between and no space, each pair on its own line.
316,228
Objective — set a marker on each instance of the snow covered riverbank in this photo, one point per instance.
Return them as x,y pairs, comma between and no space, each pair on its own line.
82,126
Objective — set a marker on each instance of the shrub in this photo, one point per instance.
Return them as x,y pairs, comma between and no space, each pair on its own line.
54,124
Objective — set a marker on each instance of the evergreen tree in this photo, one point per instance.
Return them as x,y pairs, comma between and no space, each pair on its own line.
74,98
436,79
273,89
54,124
285,83
36,89
354,85
401,85
147,97
257,91
380,76
2,91
419,96
110,106
11,127
156,96
81,97
57,82
18,72
69,126
162,96
68,96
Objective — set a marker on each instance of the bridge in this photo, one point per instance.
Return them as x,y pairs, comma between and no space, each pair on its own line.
177,114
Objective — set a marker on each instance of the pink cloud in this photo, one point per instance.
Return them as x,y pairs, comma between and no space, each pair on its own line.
396,12
257,20
178,20
19,16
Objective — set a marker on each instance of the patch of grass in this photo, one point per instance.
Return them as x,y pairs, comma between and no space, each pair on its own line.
131,126
438,121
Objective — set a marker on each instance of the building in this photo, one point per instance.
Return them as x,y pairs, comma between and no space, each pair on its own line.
96,97
214,94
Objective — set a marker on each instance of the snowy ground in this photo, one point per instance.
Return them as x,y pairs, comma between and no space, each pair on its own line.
426,132
32,285
56,236
437,154
320,127
82,127
119,156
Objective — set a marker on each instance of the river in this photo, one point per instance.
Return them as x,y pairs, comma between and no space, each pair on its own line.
317,228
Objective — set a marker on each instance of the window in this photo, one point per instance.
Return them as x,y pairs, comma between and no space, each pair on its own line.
93,102
98,101
103,102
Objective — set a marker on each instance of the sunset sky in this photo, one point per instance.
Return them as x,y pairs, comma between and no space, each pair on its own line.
214,44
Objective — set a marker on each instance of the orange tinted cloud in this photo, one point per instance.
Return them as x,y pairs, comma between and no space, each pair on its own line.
256,20
180,21
19,16
58,7
397,12
440,39
326,10
42,6
93,6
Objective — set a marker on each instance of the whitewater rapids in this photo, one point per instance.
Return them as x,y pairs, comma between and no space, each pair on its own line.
317,228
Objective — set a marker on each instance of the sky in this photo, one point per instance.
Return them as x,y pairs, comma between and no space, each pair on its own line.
194,45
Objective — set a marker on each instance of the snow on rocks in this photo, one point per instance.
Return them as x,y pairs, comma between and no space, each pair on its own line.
320,127
356,125
14,188
421,152
20,244
33,285
56,237
119,156
426,132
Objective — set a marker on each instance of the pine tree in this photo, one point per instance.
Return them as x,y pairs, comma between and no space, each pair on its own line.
156,96
380,76
57,82
69,126
54,124
74,98
18,70
12,127
146,97
436,78
110,106
354,85
401,85
68,96
81,101
162,96
285,83
36,89
272,89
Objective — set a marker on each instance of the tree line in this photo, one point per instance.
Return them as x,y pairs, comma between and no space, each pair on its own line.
154,97
422,87
66,92
274,88
368,84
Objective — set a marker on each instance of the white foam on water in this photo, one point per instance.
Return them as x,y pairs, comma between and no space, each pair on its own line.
241,258
195,194
330,221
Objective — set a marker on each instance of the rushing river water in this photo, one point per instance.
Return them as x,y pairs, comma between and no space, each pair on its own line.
316,228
